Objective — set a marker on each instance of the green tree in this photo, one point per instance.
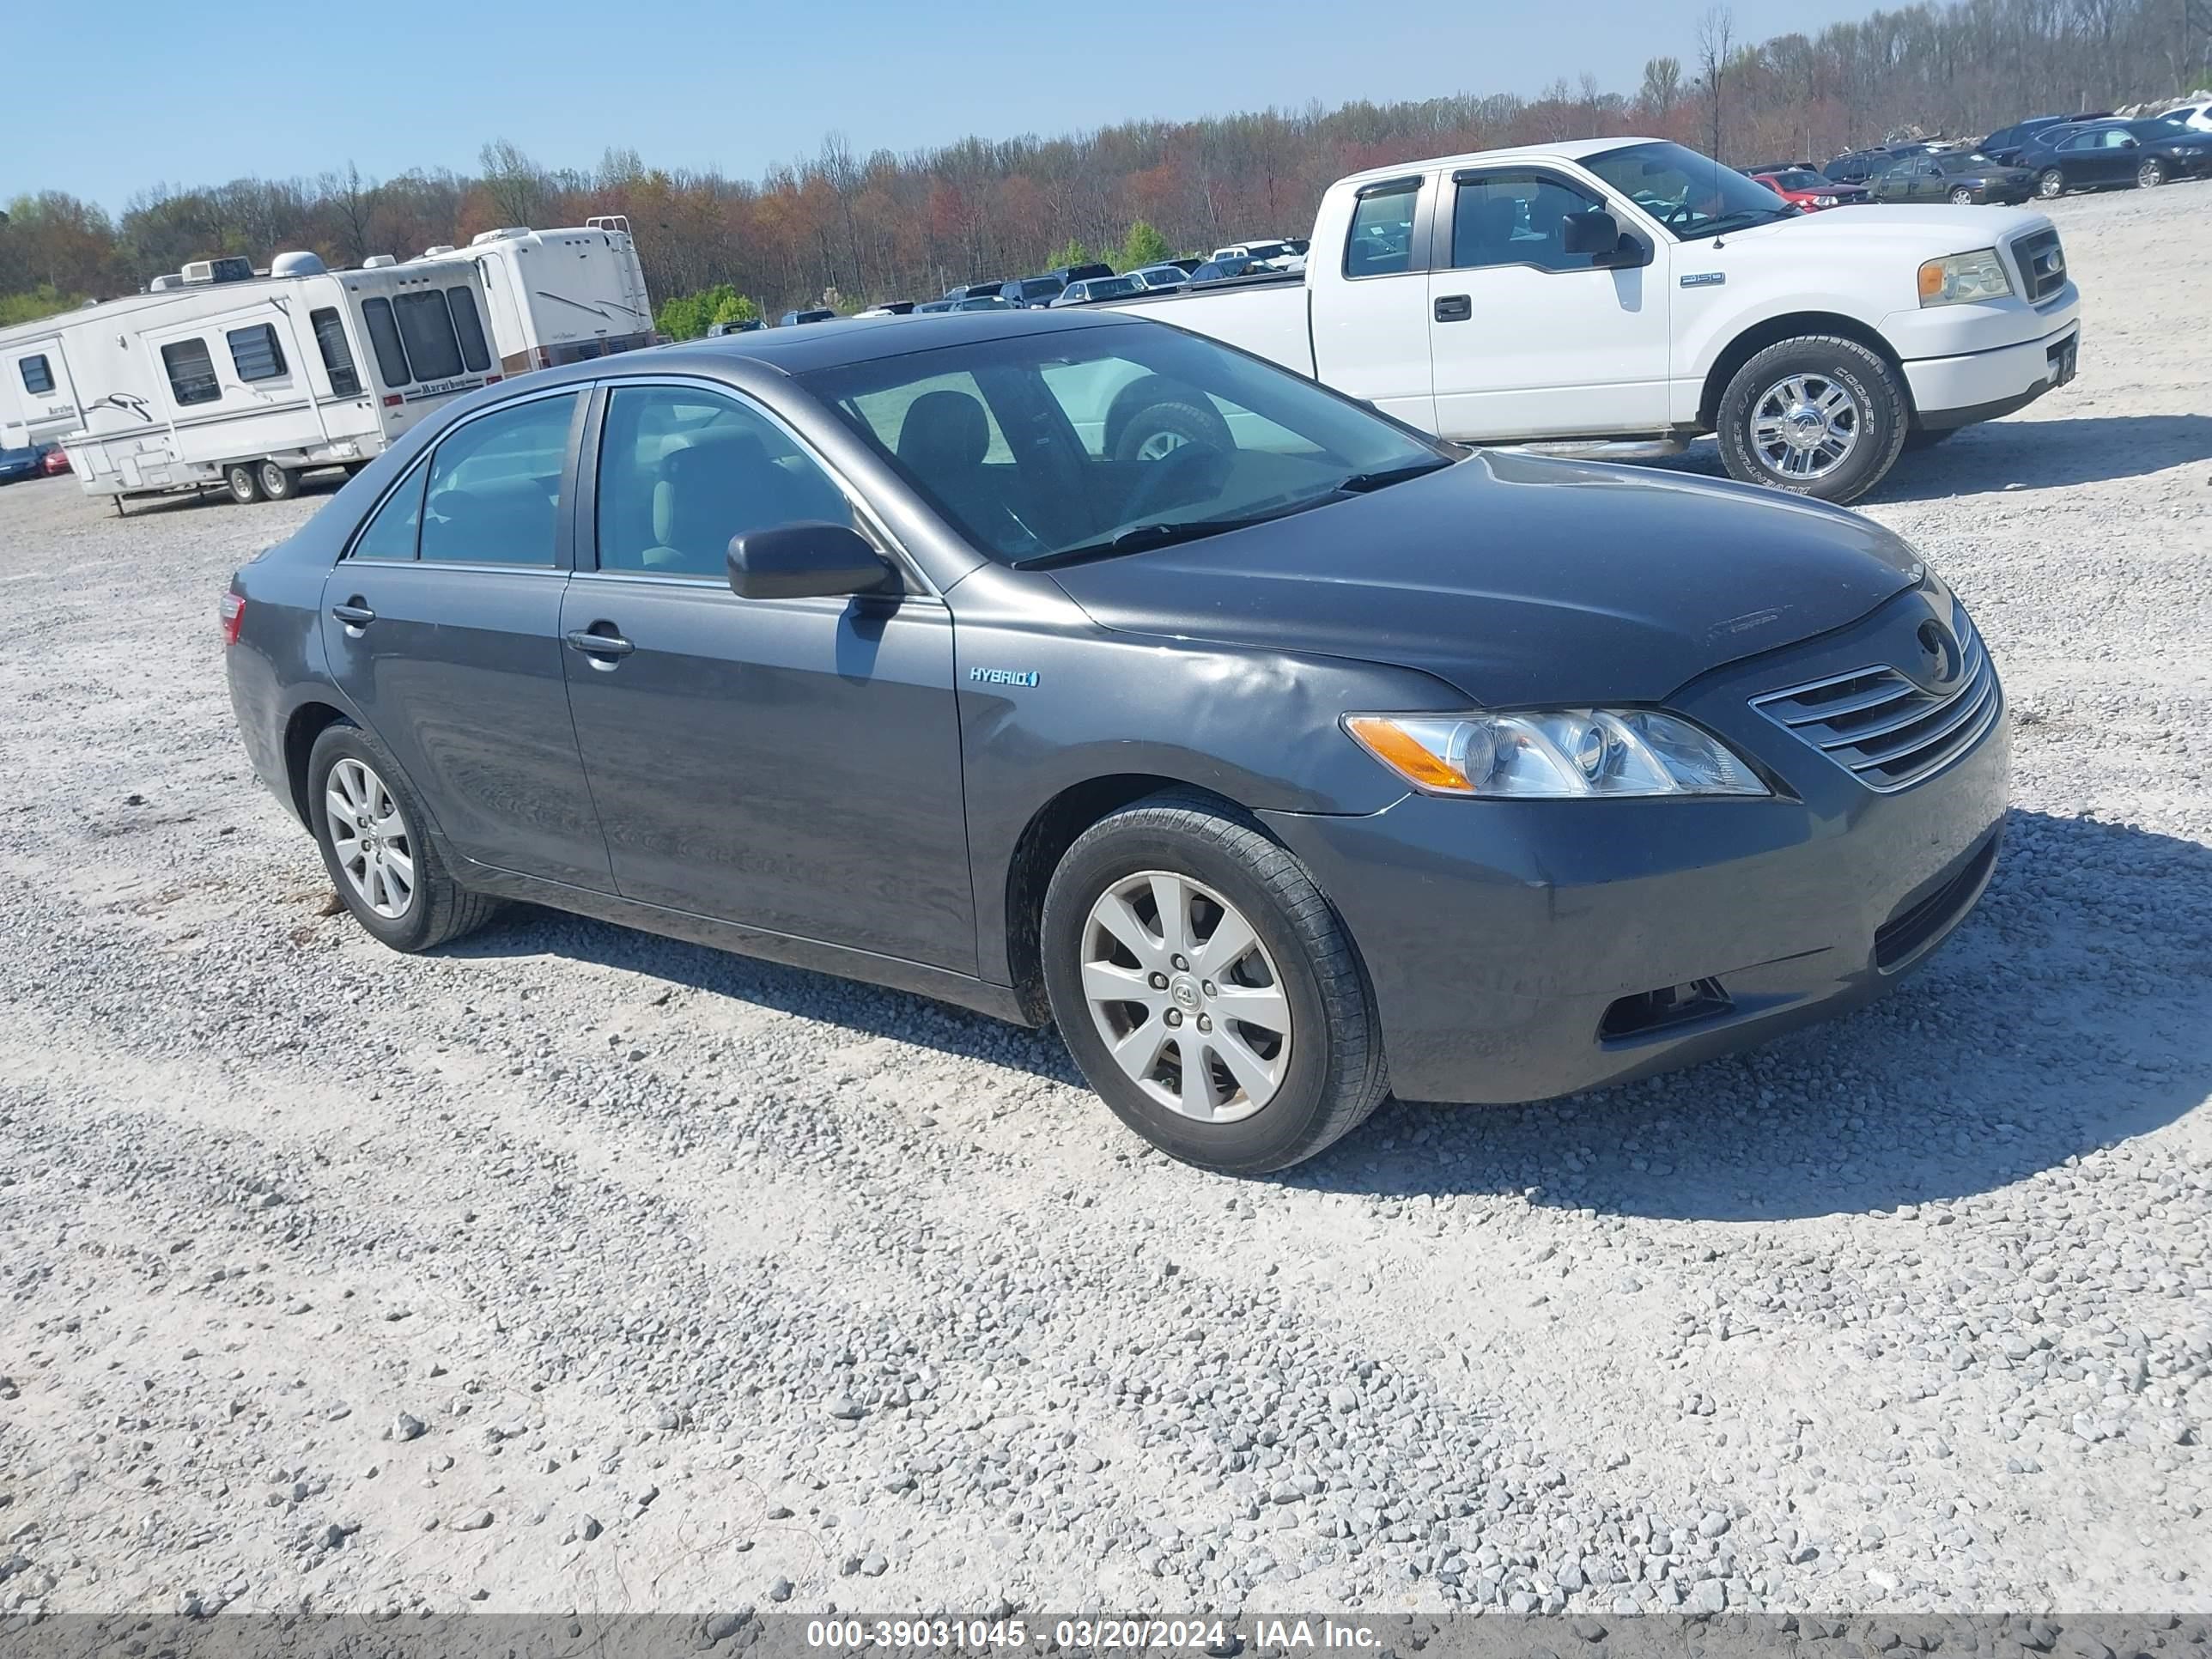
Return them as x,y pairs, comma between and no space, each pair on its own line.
683,317
1073,253
43,301
734,307
1143,246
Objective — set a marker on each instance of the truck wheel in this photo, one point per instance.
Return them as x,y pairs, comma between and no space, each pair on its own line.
279,483
2150,175
1152,419
2050,183
243,479
1818,416
1206,988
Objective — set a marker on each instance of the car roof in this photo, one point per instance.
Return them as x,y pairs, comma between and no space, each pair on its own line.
1572,150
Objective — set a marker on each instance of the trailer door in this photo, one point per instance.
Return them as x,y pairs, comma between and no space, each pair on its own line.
38,398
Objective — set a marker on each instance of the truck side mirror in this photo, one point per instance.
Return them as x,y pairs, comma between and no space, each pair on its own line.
1595,232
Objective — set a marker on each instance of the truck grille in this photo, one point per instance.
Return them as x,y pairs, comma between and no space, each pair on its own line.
1886,731
2041,263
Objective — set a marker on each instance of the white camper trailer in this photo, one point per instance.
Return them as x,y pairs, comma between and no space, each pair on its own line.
560,296
249,383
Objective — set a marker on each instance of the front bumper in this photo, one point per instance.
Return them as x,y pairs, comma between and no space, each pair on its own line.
1981,386
1513,945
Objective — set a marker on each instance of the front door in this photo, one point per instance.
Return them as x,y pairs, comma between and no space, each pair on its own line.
1529,340
442,625
791,765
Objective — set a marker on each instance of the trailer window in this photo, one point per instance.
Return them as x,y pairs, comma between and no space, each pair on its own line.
255,354
38,375
384,337
192,372
338,356
427,328
470,327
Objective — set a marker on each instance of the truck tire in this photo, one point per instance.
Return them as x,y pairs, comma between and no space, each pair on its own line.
1818,416
279,483
1156,416
243,480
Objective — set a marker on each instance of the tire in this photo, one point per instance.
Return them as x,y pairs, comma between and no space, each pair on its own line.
1153,419
2049,183
437,908
2150,175
1877,414
1329,1073
1962,197
279,483
243,480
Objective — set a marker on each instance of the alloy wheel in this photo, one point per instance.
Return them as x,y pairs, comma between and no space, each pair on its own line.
2149,176
1185,997
1160,445
2051,183
370,837
1805,426
1962,198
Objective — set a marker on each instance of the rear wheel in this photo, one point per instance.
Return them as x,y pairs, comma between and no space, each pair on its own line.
2150,175
370,826
1207,989
2049,183
1821,416
243,480
279,483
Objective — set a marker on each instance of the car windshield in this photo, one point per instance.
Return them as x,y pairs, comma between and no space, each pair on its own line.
1130,437
1691,195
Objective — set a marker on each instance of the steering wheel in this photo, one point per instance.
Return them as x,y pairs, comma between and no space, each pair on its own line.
1679,213
1188,473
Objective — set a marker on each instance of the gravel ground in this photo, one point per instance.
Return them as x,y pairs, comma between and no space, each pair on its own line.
576,1268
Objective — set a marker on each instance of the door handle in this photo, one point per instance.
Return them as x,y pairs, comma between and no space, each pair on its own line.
599,645
1454,308
354,613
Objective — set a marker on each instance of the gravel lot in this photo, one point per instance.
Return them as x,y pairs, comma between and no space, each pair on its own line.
576,1268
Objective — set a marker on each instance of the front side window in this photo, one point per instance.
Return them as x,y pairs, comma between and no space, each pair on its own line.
191,373
1381,240
255,354
1517,219
681,472
1691,195
426,326
38,375
384,339
1128,438
338,356
494,486
468,328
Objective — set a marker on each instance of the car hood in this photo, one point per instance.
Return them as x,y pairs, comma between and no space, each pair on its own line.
1920,231
1519,579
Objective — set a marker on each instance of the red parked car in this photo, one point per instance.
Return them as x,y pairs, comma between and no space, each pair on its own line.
55,464
1804,188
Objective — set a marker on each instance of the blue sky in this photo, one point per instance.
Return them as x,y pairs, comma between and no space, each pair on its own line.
160,92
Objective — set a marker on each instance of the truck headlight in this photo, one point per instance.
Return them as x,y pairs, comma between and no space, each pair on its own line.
1554,754
1962,279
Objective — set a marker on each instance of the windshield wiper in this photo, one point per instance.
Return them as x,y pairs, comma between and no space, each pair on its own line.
1140,539
1743,220
1360,482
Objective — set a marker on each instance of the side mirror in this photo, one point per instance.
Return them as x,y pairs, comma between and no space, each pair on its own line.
806,560
1595,231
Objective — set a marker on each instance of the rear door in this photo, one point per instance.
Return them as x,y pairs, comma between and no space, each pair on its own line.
442,626
791,765
1532,341
1370,316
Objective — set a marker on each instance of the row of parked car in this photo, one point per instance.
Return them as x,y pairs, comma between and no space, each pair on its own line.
2041,157
32,461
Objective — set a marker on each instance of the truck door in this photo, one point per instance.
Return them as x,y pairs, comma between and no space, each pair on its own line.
1528,340
1370,316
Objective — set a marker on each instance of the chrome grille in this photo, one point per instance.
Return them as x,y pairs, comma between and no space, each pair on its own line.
2041,263
1886,731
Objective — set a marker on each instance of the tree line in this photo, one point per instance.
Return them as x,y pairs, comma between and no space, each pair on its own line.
858,228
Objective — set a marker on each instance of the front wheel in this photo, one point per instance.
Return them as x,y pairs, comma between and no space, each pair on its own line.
279,483
243,480
2050,183
1962,197
2150,175
1821,416
1206,988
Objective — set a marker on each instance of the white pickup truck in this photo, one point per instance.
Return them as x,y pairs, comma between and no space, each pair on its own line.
1619,297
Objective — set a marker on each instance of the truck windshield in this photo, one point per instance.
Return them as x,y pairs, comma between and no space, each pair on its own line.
1692,195
1131,437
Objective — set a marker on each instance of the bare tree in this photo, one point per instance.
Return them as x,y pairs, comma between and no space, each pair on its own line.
1716,49
515,183
350,203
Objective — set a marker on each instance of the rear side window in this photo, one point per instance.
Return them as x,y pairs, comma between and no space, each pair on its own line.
426,328
391,534
338,356
494,487
1381,240
468,328
38,375
192,372
384,339
255,354
1517,219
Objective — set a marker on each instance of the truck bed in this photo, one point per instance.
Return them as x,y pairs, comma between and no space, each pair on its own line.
1266,315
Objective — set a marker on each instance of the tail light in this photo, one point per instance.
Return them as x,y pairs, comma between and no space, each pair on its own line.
493,380
393,400
232,611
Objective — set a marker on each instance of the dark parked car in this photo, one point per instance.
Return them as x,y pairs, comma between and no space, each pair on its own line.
1308,759
2006,143
793,319
2099,154
1032,290
1961,178
1857,167
28,462
1080,273
1218,271
975,291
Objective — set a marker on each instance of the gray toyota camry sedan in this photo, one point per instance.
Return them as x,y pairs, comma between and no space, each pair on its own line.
1074,668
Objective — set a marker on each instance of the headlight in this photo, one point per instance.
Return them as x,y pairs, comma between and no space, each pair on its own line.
1962,279
1824,201
1554,754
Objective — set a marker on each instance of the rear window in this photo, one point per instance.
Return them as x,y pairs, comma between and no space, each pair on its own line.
38,375
384,339
426,329
338,356
255,354
469,328
192,372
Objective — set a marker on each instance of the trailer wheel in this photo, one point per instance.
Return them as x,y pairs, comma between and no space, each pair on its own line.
244,480
279,483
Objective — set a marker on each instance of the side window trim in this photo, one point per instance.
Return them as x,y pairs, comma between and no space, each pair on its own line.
585,517
1447,218
564,537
